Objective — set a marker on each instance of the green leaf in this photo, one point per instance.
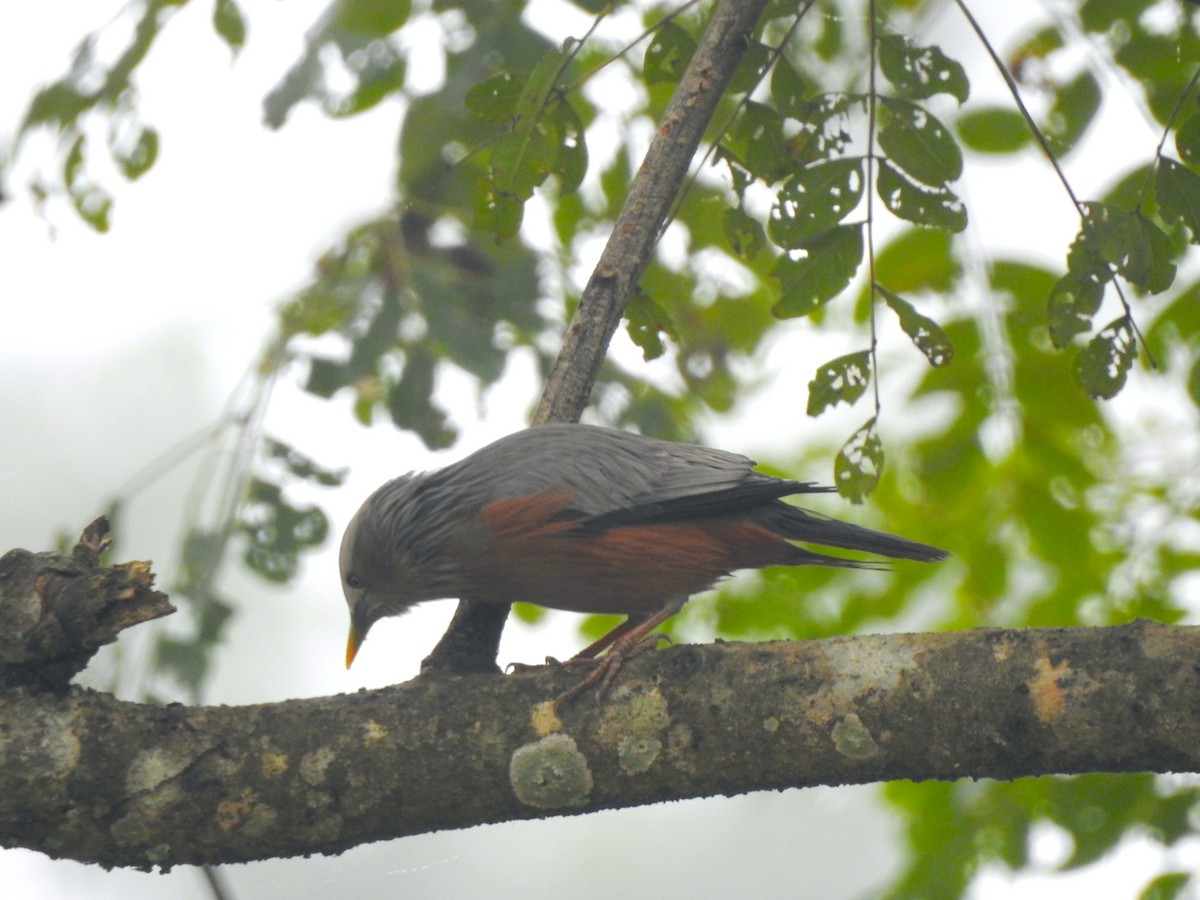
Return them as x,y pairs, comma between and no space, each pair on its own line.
1167,886
302,466
824,127
1178,192
377,80
90,201
57,104
93,204
924,332
915,141
920,72
751,68
906,199
993,130
826,270
841,380
918,260
498,214
1193,382
137,158
495,98
276,532
1187,140
522,160
1158,271
756,143
743,233
814,200
1073,301
668,54
1105,362
647,322
572,161
788,89
371,18
859,464
1129,242
1075,105
229,24
410,401
542,139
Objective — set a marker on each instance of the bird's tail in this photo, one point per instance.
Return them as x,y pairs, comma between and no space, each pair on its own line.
797,524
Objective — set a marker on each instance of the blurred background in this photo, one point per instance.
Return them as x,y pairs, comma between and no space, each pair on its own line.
172,300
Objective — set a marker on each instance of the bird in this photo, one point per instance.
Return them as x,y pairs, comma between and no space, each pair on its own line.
587,519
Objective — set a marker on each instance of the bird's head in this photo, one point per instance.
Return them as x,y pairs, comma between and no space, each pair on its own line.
394,555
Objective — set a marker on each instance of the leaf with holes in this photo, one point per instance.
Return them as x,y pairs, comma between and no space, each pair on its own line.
859,464
814,200
647,323
788,89
906,199
826,270
572,159
924,332
1073,302
921,72
743,233
915,141
824,124
1104,364
495,98
841,380
1178,192
1128,242
522,160
668,54
756,142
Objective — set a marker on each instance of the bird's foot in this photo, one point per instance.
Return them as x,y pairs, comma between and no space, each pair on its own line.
518,668
605,669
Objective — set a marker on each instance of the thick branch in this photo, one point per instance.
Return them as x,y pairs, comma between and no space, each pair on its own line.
85,775
470,642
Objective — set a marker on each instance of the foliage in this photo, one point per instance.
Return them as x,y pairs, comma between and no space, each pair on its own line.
830,192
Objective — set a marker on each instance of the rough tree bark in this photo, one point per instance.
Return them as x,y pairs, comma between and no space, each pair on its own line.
88,777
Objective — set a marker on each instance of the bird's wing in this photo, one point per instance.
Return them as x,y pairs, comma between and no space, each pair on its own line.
617,477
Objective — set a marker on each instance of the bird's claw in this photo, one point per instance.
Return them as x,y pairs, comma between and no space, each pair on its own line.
605,668
518,668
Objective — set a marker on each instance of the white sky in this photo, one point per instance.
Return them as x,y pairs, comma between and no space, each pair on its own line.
116,346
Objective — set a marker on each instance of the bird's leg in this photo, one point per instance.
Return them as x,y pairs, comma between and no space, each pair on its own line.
629,639
588,654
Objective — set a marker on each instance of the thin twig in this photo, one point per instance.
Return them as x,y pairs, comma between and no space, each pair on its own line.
1049,154
870,173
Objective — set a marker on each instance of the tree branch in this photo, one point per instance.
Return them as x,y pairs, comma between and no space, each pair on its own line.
471,640
56,610
99,780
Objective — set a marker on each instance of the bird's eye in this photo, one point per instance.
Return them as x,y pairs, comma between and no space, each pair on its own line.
355,582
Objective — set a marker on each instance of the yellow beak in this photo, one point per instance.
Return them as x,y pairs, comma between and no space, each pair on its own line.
353,643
